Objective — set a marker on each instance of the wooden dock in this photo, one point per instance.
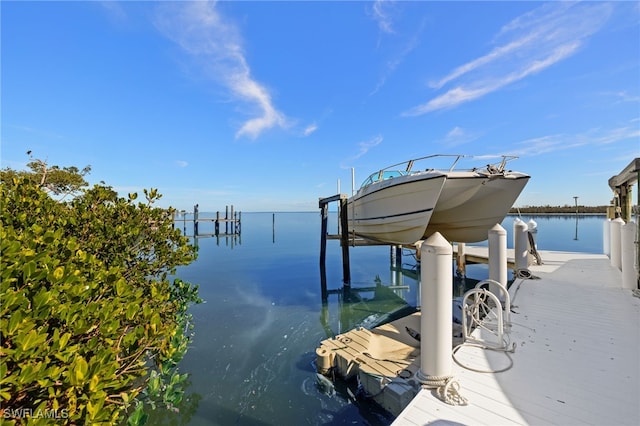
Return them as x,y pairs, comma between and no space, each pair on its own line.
576,360
232,223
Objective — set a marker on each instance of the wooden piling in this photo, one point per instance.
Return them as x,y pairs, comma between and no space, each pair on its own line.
195,220
323,204
344,220
324,212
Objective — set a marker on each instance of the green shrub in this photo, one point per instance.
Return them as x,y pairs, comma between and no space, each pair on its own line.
91,326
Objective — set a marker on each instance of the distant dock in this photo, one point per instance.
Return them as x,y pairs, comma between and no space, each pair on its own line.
229,225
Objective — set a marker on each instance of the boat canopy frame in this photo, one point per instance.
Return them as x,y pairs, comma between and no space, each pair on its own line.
393,171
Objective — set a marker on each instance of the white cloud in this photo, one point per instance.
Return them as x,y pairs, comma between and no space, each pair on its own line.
203,33
400,55
367,145
181,163
114,10
310,129
561,142
380,14
532,43
455,133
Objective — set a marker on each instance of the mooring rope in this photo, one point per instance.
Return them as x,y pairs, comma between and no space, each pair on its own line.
447,389
525,274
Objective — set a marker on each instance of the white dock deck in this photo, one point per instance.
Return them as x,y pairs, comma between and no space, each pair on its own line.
577,359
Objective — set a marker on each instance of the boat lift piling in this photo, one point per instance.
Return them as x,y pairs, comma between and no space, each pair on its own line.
344,241
347,240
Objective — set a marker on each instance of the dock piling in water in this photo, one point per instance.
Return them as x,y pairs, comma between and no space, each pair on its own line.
235,222
323,203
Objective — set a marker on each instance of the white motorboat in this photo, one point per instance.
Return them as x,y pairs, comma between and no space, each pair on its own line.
474,200
404,203
394,206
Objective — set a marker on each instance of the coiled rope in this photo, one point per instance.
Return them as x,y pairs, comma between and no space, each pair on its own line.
447,389
525,274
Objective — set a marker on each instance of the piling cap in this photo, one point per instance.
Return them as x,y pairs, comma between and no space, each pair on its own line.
519,224
497,229
438,244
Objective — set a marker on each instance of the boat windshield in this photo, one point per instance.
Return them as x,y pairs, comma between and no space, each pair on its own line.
383,175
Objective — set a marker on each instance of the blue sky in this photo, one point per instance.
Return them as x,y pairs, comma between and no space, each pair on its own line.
267,105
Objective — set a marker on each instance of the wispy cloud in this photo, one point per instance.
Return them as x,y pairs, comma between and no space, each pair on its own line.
623,97
458,136
383,13
181,163
400,55
202,32
365,146
380,14
310,129
530,44
114,10
563,142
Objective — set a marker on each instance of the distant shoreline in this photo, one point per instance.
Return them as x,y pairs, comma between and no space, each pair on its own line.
595,210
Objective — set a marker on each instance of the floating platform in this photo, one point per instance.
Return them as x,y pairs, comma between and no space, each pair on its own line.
385,360
576,358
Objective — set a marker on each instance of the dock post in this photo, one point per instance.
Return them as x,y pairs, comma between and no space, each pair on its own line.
606,237
520,244
195,220
217,227
344,242
532,226
616,243
628,251
226,219
323,249
396,257
233,221
461,261
498,258
436,284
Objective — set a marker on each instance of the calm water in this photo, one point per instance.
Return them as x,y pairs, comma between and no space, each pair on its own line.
252,358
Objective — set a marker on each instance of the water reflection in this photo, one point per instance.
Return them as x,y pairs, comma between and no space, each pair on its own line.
252,360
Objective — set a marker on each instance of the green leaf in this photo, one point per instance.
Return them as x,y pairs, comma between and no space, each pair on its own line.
28,269
64,339
121,287
80,369
58,273
138,417
14,322
31,340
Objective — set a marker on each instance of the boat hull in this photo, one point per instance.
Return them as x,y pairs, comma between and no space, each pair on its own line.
471,203
395,211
